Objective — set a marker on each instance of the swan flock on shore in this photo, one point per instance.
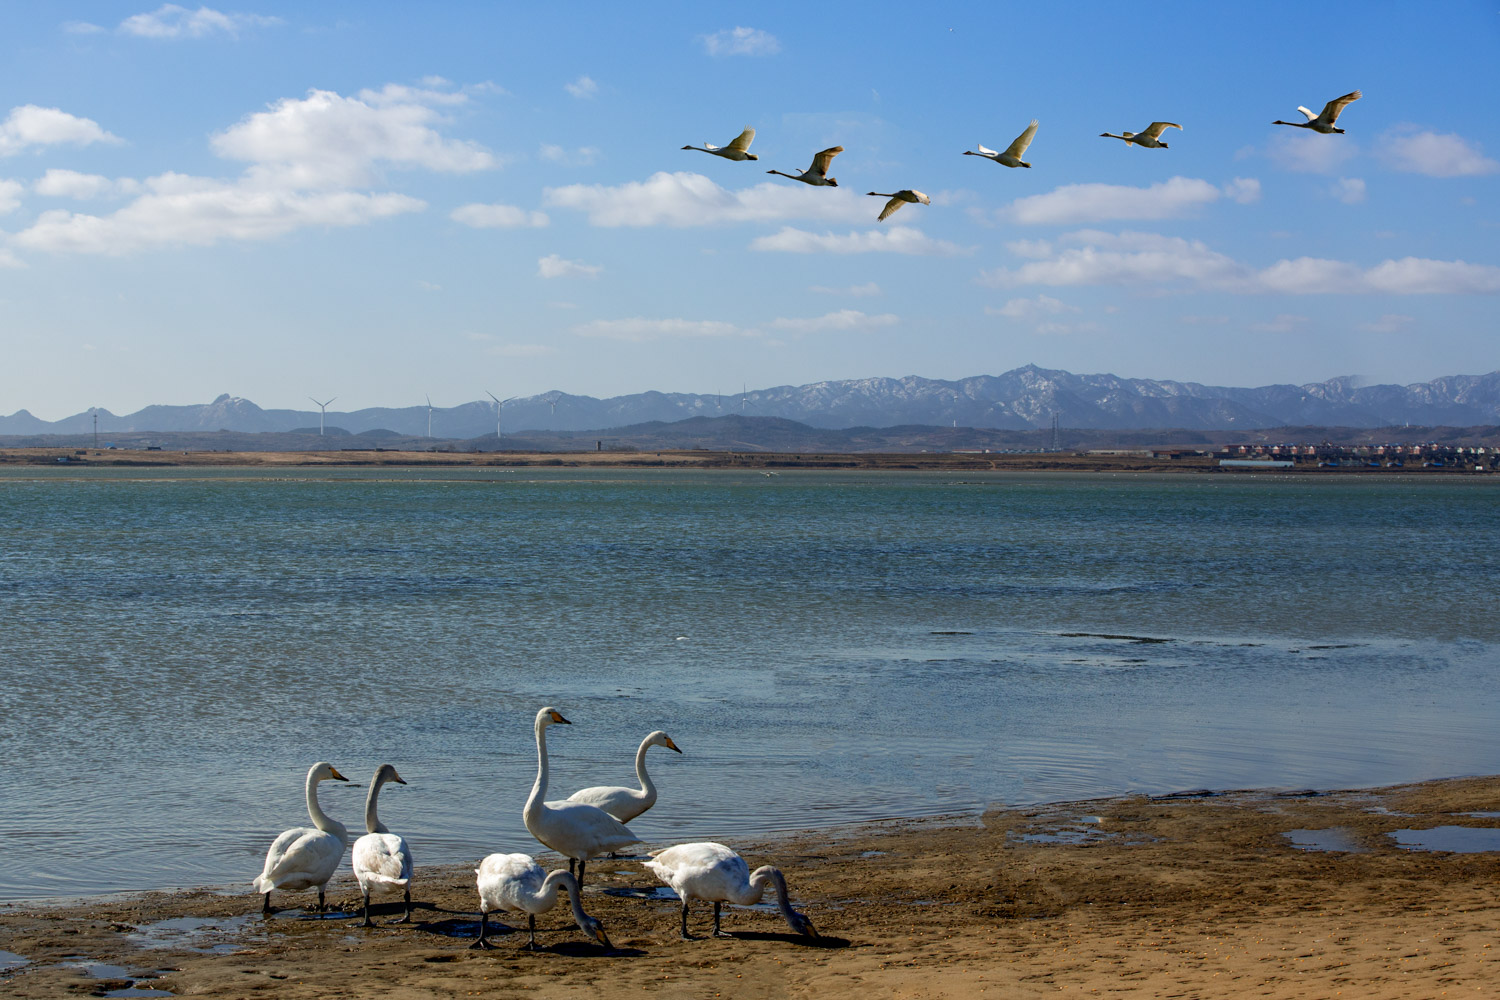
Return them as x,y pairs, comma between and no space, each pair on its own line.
588,823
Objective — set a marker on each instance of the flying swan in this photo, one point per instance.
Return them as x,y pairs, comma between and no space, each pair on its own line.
515,883
382,861
817,174
1324,122
576,830
898,199
625,804
305,856
738,148
714,872
1151,138
1013,153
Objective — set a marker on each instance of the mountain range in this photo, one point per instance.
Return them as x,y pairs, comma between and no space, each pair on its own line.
1021,399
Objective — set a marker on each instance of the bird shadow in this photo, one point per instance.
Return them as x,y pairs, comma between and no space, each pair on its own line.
821,941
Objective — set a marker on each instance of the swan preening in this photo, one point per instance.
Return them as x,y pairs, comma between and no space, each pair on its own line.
712,872
1150,138
817,174
738,148
576,830
381,859
1013,153
1324,122
899,198
623,803
515,883
304,857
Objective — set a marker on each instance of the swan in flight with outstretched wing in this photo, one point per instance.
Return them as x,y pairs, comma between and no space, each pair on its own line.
817,174
712,872
738,149
898,199
1150,138
1013,153
1324,122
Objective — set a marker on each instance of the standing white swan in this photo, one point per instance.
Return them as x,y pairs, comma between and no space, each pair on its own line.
576,830
899,198
714,872
382,861
817,174
738,148
515,883
305,856
1324,122
1150,138
1013,153
625,804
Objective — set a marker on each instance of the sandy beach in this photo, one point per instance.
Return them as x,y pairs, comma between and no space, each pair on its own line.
1192,896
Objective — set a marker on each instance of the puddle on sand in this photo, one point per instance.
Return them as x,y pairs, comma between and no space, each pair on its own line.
1494,815
10,961
102,970
660,894
1334,838
1456,839
139,991
217,935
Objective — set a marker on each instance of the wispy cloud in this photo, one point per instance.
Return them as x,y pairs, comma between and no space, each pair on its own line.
583,156
1310,152
169,21
683,199
639,330
898,239
498,217
1042,305
57,183
521,350
1349,190
1414,150
1389,323
582,88
10,195
1091,257
1283,323
30,125
1172,198
844,319
740,42
868,290
555,266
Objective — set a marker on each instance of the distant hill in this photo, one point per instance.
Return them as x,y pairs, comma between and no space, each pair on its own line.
1022,399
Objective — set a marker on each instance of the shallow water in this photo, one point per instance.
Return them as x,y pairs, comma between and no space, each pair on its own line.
825,647
1458,839
1338,839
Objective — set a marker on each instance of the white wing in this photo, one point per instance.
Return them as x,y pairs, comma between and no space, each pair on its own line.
624,804
382,859
987,151
1155,130
1333,108
299,858
505,879
1023,140
711,147
743,140
890,207
701,871
824,160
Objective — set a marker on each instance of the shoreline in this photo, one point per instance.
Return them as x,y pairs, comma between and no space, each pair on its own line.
1134,895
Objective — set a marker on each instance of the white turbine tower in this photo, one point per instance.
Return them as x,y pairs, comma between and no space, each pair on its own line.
499,412
322,413
429,416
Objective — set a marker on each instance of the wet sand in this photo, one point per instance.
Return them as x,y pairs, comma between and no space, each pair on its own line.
1125,897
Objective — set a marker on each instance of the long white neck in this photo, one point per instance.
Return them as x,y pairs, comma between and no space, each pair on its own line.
648,790
757,888
539,790
319,818
795,177
372,822
567,882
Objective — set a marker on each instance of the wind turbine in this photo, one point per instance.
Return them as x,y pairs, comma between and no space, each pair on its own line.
499,411
322,412
429,416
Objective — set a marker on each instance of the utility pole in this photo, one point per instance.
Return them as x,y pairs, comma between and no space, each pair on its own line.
96,428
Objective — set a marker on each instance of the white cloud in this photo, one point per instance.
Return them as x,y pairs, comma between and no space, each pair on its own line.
641,330
1027,308
10,260
867,290
1412,150
1349,190
328,140
1092,257
555,266
498,217
1177,196
1283,323
172,22
740,42
685,199
582,88
1389,323
844,319
82,28
898,239
30,125
583,156
200,212
10,195
57,183
1310,152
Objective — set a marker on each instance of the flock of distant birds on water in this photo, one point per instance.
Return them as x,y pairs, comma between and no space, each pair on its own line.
1149,137
590,822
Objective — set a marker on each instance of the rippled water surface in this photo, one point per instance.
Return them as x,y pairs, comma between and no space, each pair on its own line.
180,645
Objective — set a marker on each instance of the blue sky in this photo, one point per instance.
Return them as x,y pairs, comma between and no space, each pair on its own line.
382,201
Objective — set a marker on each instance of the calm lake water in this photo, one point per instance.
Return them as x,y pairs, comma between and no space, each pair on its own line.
180,645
